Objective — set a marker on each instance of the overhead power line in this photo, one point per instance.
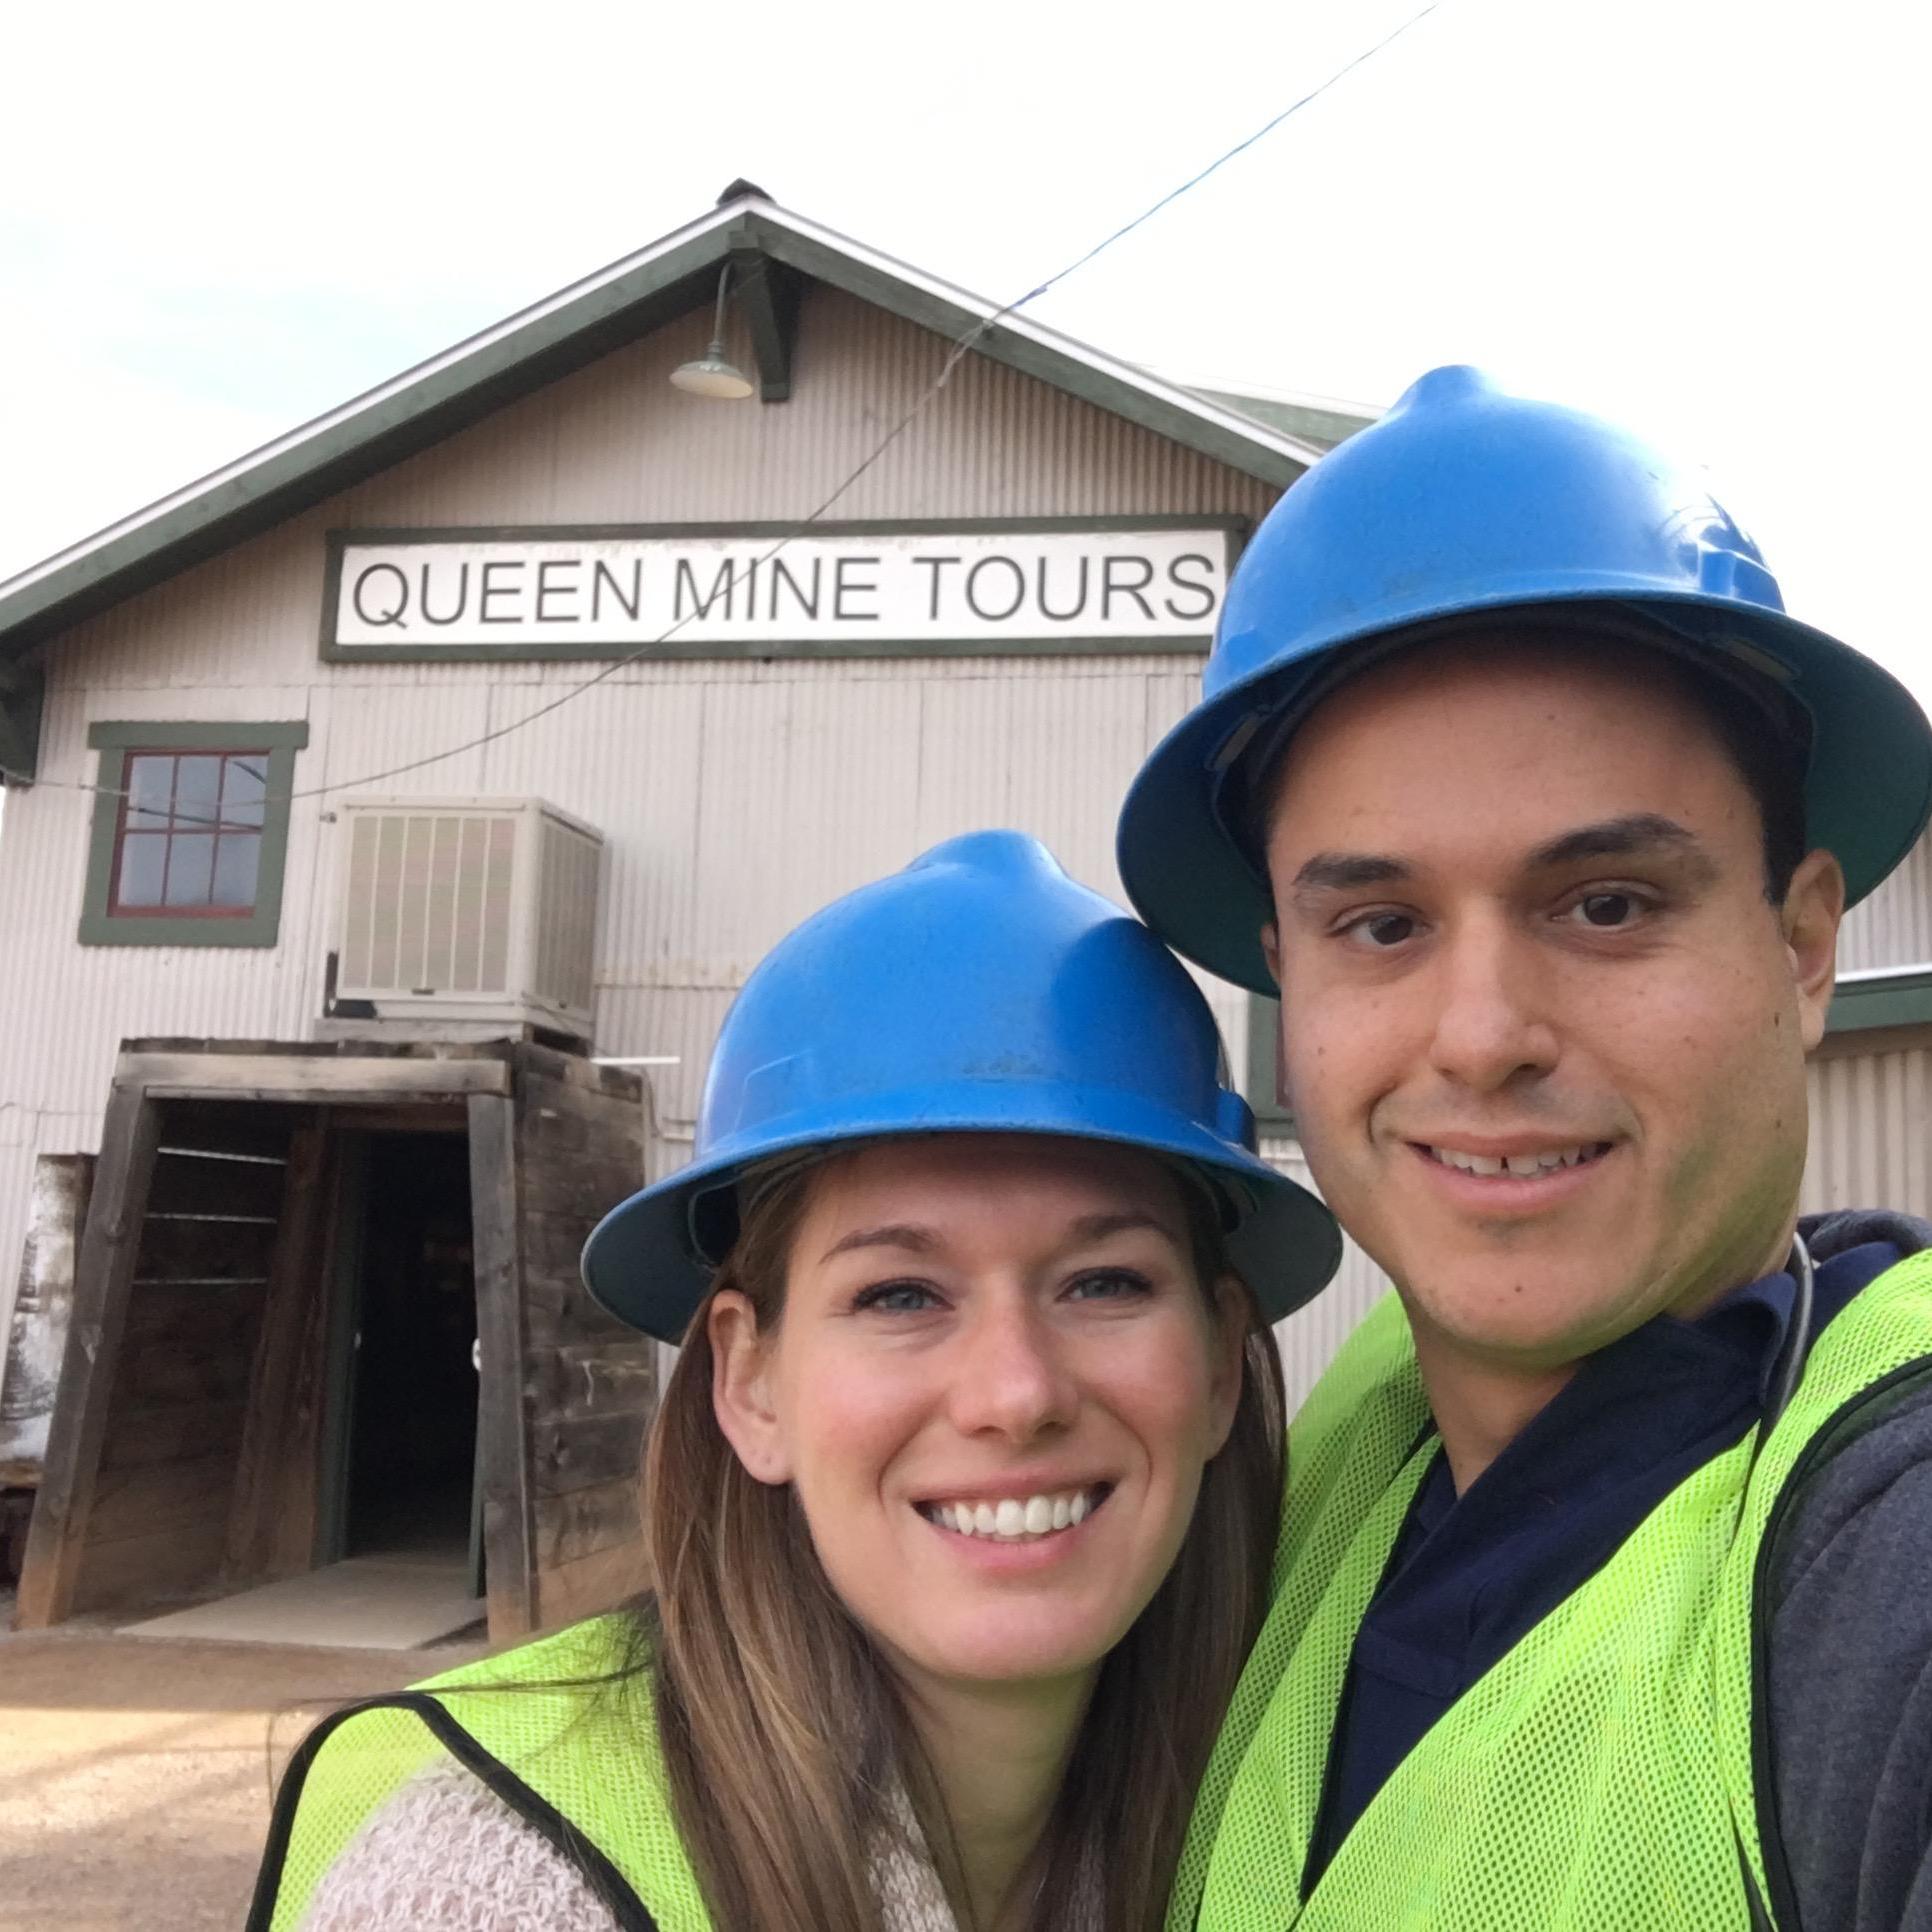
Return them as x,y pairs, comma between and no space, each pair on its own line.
961,347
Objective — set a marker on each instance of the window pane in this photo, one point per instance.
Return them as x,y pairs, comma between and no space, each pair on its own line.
144,857
150,781
244,783
237,861
197,796
190,866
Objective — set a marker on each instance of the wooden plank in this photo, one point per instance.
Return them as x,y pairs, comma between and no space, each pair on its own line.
137,1436
169,1374
593,1378
271,1528
558,1310
151,1496
259,1133
501,1448
579,1452
584,1190
334,1081
143,1569
186,1185
103,1279
590,1585
202,1251
586,1520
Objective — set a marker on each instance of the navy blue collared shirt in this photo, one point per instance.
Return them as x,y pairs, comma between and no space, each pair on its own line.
1470,1575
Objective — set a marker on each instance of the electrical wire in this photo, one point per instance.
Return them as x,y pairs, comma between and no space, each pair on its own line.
957,353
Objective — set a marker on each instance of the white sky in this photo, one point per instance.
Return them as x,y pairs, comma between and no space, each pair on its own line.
1706,216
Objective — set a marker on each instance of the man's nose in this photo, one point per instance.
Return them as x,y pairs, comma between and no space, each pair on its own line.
1492,1020
1011,1378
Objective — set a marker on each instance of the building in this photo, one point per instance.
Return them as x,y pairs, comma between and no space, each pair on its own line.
392,816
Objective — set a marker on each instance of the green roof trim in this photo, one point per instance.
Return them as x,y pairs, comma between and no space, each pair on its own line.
1881,999
671,277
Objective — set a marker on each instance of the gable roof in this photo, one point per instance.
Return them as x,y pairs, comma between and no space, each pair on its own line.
660,282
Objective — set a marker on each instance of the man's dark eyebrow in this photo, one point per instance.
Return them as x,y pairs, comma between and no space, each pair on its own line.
898,1234
1346,871
1615,838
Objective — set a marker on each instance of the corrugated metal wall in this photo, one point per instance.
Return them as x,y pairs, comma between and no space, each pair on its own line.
736,796
1871,1129
1894,926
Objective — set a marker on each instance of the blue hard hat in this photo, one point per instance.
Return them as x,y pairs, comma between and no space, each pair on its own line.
1464,501
978,991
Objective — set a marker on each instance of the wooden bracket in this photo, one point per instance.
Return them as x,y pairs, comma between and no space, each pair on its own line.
768,294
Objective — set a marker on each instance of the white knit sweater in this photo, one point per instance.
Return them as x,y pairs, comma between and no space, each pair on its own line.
446,1854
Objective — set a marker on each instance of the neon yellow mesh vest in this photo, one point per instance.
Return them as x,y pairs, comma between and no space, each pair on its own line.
1605,1775
578,1760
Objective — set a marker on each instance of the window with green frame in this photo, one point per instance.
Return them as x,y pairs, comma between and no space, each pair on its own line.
1263,1092
190,832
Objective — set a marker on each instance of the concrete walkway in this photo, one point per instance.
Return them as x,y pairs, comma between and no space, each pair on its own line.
135,1773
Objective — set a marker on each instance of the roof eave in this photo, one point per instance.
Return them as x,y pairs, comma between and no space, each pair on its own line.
437,397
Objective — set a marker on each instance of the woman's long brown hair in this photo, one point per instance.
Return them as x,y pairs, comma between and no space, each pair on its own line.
784,1736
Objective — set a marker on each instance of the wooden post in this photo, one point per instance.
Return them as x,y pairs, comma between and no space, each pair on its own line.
501,1446
109,1249
271,1530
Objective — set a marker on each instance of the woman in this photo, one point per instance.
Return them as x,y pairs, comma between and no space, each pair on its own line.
961,1498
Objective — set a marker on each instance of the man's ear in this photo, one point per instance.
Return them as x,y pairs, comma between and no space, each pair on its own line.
1271,950
1812,910
741,1389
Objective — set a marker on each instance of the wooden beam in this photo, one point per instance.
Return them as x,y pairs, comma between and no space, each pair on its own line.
768,295
109,1249
298,1079
501,1436
271,1526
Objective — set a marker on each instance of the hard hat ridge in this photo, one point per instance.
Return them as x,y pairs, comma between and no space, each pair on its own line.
1466,504
979,990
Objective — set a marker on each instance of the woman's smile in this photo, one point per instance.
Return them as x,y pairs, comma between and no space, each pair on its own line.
995,1386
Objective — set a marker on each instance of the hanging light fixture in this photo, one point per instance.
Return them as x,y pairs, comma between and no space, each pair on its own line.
712,374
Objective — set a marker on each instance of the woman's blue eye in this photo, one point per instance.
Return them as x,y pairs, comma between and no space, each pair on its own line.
896,1297
1109,1284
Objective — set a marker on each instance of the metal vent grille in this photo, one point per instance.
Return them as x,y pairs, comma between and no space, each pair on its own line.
566,921
468,908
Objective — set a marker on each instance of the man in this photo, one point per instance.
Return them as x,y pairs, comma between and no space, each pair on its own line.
1605,1593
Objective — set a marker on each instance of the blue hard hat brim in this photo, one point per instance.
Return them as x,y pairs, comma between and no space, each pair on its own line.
641,1262
1868,786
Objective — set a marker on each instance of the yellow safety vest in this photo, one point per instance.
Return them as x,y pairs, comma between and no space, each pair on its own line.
1610,1773
577,1758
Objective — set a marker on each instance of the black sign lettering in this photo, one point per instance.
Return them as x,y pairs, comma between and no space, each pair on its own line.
381,617
1205,592
806,600
858,587
1079,604
935,565
687,581
1118,567
601,578
462,595
483,612
547,590
1017,577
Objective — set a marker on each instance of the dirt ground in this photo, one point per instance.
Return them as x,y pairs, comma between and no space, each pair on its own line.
135,1774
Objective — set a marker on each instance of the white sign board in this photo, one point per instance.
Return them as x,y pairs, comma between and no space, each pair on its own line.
608,593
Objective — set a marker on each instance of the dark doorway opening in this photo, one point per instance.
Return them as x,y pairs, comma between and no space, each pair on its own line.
412,1430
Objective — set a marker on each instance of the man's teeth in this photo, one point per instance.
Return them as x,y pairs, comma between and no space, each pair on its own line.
1518,1164
1013,1519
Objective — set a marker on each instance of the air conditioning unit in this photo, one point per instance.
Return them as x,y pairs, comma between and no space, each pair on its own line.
467,910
